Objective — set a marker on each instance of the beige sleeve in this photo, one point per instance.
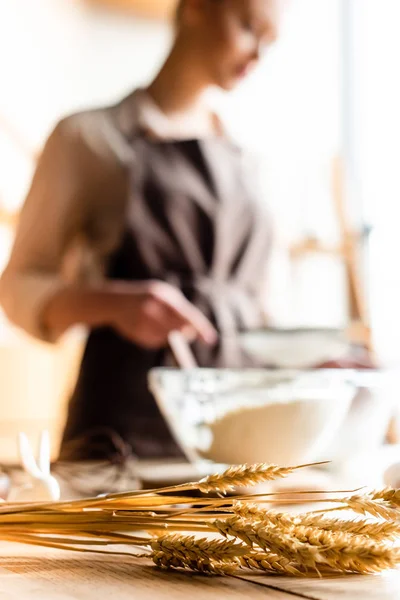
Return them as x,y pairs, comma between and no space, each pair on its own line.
52,215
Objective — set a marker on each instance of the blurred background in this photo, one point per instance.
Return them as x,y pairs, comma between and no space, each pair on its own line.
322,112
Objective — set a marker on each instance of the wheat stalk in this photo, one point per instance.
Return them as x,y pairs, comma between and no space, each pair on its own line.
340,551
255,512
245,476
165,560
237,527
189,547
203,555
346,551
313,547
363,505
270,563
389,495
378,530
265,540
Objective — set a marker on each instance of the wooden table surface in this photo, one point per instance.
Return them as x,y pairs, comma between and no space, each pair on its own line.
27,573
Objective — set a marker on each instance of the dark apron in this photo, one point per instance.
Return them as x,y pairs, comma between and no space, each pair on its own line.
193,220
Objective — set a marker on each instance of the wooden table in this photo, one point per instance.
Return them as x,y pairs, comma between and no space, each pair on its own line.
28,573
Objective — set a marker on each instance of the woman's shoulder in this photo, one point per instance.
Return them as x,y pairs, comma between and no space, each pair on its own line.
100,129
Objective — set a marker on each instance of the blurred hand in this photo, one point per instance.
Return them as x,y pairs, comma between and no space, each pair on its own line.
147,312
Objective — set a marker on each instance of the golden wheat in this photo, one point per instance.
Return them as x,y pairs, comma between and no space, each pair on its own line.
379,530
164,523
254,511
389,495
340,551
166,560
202,555
244,476
375,529
365,505
237,527
313,547
189,547
271,563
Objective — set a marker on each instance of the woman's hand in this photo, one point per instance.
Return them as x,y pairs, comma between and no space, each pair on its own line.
147,312
144,312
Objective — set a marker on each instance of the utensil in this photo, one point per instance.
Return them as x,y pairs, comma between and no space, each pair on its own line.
181,350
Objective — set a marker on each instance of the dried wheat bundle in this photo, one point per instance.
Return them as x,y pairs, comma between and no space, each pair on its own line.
221,535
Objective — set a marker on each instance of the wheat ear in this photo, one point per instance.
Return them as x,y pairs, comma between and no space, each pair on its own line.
244,476
340,551
271,563
349,552
379,530
364,505
203,555
314,548
389,495
192,548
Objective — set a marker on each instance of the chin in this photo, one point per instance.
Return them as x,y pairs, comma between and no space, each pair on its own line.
229,85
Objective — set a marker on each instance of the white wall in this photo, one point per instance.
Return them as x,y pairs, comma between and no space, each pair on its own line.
377,105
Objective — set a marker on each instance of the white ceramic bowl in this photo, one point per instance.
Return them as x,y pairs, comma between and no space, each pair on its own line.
249,416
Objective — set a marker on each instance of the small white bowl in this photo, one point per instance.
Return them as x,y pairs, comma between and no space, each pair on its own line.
250,416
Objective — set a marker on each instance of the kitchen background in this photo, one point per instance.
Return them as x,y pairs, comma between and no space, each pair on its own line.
325,96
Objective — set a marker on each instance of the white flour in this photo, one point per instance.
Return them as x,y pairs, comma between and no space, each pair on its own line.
282,433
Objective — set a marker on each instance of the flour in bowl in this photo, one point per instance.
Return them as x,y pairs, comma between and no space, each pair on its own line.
288,432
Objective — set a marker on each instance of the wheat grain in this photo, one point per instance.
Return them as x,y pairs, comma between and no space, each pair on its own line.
202,555
378,530
341,551
313,547
364,505
271,563
247,510
192,548
254,537
244,476
389,495
169,561
236,527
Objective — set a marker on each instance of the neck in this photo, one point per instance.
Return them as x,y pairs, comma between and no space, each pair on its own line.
179,86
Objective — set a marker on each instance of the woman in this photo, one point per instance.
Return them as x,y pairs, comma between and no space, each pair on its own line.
152,195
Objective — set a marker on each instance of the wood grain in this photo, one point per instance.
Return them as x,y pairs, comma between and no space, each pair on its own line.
36,574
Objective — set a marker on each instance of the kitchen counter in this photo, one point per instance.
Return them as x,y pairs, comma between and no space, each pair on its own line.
27,573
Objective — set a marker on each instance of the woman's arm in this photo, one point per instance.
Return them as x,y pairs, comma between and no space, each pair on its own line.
144,312
51,216
66,188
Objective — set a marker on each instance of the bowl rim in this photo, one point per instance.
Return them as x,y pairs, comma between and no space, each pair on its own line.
354,378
